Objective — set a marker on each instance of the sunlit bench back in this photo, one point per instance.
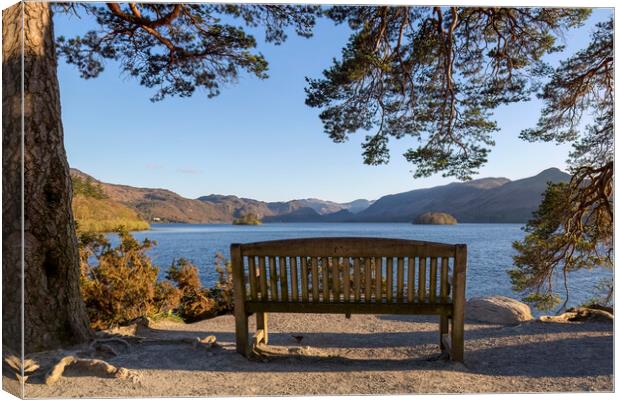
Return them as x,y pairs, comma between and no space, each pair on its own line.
350,275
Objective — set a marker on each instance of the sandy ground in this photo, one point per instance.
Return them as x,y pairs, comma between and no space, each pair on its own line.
362,355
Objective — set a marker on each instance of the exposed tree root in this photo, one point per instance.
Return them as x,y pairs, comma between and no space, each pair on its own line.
103,344
13,362
263,352
580,314
86,359
90,364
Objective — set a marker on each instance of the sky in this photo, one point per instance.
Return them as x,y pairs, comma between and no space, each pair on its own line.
258,139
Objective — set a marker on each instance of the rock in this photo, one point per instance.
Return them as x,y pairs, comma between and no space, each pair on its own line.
497,310
435,218
206,343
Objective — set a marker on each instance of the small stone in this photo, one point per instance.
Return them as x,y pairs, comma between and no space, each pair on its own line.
206,343
122,373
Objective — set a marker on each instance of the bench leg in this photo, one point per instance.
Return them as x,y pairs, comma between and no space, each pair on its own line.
241,333
458,339
443,330
261,323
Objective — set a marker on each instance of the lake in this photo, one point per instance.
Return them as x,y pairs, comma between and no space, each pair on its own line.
489,247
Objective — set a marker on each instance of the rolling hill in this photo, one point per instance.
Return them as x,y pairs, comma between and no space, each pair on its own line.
481,200
161,205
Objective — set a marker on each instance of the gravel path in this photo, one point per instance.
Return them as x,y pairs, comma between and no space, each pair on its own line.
362,355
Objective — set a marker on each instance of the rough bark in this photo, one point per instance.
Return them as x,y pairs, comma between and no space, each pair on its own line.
54,313
11,178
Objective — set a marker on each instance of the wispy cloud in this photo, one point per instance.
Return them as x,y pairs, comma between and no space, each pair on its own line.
189,171
154,166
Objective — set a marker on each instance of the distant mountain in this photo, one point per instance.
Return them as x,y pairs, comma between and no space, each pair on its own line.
481,200
161,205
304,214
357,206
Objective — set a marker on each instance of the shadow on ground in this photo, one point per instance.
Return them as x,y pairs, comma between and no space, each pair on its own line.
522,351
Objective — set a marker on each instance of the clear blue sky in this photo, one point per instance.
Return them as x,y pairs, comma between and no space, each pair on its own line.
258,139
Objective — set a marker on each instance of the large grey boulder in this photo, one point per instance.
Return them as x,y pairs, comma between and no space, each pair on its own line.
497,310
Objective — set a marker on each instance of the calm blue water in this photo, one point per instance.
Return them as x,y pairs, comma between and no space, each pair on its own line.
489,247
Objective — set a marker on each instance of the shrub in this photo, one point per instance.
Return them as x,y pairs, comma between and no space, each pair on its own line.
185,275
87,187
196,302
122,285
223,290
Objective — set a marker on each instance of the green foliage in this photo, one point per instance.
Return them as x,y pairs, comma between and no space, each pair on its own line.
604,293
573,227
104,215
583,84
87,187
196,302
94,211
434,74
435,218
247,219
122,284
177,48
548,249
223,290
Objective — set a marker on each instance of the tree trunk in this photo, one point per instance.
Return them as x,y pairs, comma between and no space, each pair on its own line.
35,169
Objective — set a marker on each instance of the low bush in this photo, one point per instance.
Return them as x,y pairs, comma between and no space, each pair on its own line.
122,285
119,284
196,302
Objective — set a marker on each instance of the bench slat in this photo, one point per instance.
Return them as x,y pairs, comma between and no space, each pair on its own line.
400,278
388,281
422,280
252,276
346,277
336,278
410,278
378,278
294,279
368,280
315,280
356,279
433,280
273,279
443,291
262,278
283,278
325,277
304,279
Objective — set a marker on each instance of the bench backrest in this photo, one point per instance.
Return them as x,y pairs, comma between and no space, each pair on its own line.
350,269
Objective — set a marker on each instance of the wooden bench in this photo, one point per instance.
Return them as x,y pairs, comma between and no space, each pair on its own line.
350,276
